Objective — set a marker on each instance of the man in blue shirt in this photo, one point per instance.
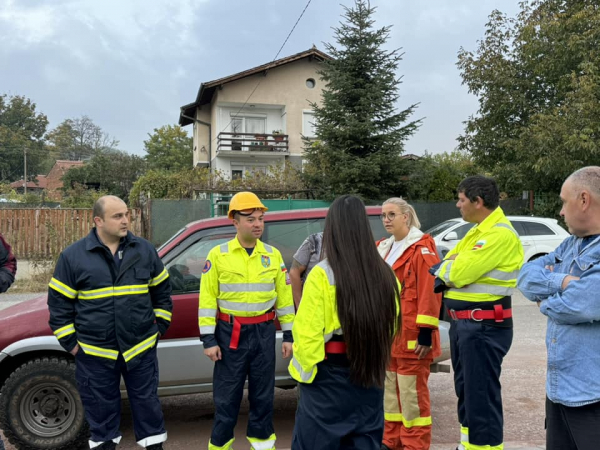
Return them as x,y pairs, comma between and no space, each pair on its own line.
566,284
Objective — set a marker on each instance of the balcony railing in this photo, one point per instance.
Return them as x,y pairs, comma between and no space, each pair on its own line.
251,142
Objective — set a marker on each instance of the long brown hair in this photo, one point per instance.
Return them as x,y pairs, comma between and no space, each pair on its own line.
366,289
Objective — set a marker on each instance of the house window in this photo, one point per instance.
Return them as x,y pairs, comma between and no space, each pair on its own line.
238,171
310,83
308,124
304,164
256,124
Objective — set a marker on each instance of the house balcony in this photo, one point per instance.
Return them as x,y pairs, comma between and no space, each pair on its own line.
251,145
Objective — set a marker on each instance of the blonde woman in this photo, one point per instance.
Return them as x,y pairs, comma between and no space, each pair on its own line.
410,254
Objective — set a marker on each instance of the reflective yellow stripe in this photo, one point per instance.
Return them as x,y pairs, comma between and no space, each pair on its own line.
246,287
301,375
411,345
393,417
263,444
65,331
98,351
134,289
227,446
428,320
418,422
159,279
62,288
464,436
142,346
163,314
483,447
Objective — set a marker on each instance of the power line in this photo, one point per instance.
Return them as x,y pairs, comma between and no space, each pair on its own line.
260,81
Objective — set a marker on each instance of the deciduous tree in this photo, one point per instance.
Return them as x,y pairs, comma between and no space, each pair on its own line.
78,139
21,130
538,82
114,172
169,148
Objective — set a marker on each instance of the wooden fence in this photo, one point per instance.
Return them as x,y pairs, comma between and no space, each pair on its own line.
44,233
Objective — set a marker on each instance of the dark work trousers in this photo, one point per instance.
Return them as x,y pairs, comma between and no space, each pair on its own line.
255,359
335,414
98,385
477,351
572,428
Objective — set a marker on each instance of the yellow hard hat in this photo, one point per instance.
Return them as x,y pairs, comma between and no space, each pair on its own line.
245,200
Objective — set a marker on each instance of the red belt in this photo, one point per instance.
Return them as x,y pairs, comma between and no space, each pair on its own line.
239,321
336,347
497,314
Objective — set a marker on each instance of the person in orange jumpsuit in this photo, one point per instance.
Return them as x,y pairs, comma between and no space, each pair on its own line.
410,253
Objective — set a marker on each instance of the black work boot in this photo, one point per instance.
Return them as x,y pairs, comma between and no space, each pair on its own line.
109,445
155,446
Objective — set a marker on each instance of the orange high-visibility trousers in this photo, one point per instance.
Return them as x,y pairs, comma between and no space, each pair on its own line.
407,407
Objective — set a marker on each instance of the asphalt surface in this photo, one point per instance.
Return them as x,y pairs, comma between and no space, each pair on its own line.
189,418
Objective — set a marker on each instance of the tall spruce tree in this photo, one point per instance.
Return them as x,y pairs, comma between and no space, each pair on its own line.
360,133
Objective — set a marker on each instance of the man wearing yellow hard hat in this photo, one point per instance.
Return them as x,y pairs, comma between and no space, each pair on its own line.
244,287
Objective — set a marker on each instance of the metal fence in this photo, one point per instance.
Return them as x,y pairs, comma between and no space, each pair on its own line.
169,216
44,233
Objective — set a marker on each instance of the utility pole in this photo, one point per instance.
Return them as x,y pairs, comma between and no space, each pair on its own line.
25,170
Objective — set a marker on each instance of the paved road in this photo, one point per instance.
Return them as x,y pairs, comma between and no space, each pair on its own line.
189,418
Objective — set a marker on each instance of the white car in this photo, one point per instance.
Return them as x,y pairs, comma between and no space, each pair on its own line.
539,235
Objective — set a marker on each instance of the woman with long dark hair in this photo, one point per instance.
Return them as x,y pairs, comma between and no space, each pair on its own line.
343,333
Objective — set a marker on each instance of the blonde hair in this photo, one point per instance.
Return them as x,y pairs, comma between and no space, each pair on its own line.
405,208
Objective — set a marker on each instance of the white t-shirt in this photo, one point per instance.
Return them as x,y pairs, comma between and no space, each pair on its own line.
395,252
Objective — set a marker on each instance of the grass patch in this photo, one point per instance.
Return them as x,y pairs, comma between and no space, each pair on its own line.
40,274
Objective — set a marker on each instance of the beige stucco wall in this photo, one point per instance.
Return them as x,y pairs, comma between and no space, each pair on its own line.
284,85
201,138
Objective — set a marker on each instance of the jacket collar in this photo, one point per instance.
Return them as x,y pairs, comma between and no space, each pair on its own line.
235,244
414,235
495,217
92,241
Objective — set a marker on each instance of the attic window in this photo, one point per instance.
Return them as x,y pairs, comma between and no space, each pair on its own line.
310,83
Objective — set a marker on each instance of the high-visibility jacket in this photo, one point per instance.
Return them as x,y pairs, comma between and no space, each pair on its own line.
244,286
108,311
420,305
487,263
316,323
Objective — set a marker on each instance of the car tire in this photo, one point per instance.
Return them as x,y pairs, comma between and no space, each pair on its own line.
40,406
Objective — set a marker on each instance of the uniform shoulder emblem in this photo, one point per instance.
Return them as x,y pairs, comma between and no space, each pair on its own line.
478,245
207,266
426,251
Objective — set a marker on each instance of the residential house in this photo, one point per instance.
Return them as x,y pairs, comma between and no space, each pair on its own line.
50,184
256,118
33,187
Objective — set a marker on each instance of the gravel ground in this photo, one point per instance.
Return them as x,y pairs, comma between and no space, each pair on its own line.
189,418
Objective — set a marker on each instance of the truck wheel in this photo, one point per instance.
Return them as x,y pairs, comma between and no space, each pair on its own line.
40,407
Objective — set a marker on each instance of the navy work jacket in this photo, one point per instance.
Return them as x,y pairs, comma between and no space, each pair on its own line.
110,311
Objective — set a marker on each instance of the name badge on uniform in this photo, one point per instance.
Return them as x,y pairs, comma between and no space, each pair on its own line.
266,261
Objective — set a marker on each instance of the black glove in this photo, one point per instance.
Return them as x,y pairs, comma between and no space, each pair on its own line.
439,285
424,337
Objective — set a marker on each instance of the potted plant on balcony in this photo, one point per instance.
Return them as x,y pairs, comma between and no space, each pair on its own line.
278,135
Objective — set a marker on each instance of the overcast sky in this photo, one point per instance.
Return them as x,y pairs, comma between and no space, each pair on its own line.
130,64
